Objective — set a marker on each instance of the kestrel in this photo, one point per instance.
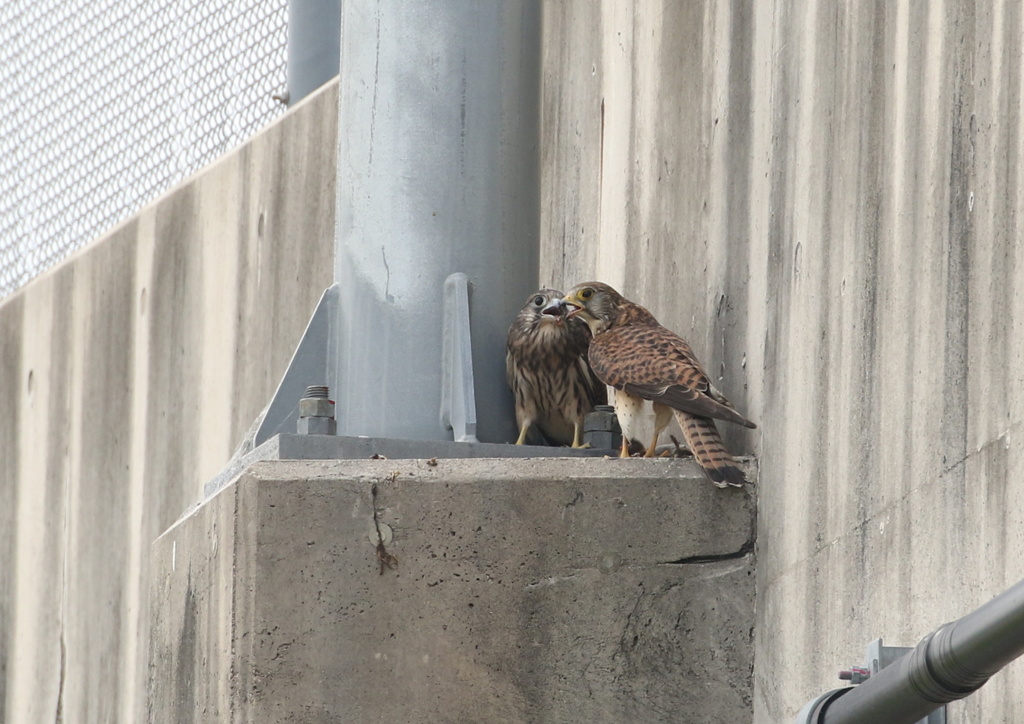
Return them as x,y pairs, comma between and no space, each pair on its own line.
644,361
547,369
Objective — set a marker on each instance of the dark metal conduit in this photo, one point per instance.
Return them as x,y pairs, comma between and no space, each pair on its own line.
950,663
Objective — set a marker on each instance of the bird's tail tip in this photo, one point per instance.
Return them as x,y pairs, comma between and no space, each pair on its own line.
726,477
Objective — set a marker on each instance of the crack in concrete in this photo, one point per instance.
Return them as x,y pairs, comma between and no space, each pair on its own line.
1002,437
745,550
63,672
625,645
59,714
386,560
893,505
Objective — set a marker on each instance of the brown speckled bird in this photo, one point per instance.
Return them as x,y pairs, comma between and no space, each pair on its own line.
547,369
644,361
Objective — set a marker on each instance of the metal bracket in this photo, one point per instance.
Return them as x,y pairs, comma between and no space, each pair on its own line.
877,656
310,365
458,399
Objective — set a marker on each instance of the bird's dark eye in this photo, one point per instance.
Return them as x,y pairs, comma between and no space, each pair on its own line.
586,294
538,301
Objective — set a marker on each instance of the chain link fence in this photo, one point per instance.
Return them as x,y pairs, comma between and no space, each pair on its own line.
107,104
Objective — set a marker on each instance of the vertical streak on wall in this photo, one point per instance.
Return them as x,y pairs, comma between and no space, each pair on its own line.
729,231
134,663
959,239
219,332
18,389
762,320
35,660
617,149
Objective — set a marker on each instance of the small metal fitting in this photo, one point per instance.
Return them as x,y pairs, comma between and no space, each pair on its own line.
855,675
316,412
601,428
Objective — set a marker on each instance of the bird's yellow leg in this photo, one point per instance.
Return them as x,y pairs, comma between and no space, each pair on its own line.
522,433
577,437
624,452
662,417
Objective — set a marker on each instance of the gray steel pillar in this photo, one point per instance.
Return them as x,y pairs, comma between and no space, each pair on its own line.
438,173
313,50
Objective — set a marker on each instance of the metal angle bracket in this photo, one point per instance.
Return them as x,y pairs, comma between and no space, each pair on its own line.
458,400
877,656
310,365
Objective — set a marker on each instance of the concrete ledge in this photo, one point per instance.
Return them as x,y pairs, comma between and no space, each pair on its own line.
291,446
536,590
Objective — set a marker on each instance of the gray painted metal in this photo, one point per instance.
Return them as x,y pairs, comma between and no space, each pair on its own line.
309,366
437,173
601,428
879,656
458,401
949,664
314,33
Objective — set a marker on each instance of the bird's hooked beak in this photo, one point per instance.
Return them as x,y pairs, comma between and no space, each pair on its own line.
570,308
556,309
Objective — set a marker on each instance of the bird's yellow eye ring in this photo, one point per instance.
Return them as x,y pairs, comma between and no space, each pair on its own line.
586,294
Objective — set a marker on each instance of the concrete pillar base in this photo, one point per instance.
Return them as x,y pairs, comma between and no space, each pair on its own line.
537,590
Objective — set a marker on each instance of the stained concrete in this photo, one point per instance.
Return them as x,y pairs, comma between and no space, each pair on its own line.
536,590
127,375
824,198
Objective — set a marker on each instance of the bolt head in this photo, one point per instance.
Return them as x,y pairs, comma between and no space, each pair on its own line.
601,421
317,426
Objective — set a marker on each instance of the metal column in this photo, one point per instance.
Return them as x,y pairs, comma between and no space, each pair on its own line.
313,50
438,174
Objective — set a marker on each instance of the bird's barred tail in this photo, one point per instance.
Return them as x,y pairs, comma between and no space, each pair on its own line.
707,447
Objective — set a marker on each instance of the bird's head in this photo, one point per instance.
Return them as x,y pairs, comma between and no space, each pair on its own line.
595,303
544,307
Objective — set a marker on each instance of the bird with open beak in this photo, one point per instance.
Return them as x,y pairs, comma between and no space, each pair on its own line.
547,369
643,360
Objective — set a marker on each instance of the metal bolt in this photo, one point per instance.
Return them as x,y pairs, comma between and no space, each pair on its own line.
855,675
316,412
601,428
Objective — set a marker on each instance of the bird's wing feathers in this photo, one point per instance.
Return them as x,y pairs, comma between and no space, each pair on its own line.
653,362
688,399
595,389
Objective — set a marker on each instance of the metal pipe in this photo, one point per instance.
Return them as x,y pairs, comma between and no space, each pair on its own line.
438,173
950,663
314,32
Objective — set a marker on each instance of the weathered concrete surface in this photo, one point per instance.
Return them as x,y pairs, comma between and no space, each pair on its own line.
557,590
825,199
127,374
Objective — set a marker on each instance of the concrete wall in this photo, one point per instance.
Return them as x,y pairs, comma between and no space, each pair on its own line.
825,199
127,375
822,196
535,591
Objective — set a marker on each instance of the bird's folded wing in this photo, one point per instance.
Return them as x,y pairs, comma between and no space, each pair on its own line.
687,399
